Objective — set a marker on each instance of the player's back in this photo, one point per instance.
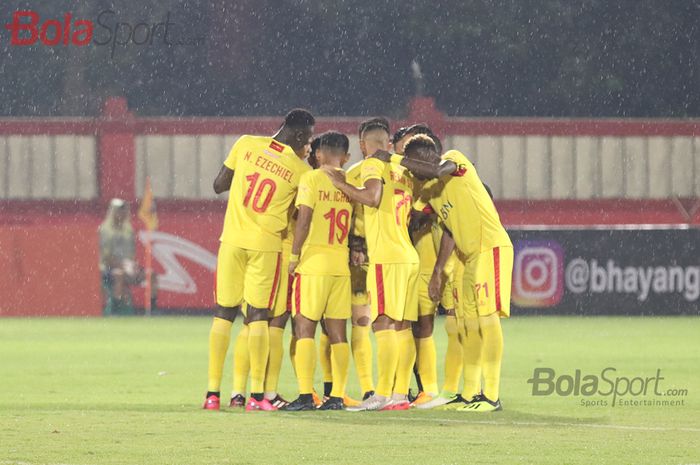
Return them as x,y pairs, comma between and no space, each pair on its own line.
325,251
265,181
463,204
386,227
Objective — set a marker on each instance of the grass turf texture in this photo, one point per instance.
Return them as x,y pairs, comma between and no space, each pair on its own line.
108,391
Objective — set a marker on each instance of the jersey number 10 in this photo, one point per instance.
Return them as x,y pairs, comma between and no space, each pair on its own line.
266,188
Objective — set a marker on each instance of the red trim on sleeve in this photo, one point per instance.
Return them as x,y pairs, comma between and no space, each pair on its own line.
380,288
497,276
460,171
428,210
275,283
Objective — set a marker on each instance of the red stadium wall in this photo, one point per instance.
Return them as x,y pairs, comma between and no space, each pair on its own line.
49,250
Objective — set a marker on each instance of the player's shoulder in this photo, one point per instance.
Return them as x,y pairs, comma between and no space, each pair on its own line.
354,168
454,155
311,176
460,159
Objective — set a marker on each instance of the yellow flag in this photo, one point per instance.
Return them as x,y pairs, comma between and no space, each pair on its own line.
147,210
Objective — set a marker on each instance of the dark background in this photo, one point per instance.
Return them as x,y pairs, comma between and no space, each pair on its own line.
628,58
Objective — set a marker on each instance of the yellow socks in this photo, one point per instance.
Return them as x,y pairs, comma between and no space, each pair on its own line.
259,348
453,356
362,354
274,360
241,362
492,354
471,353
427,363
219,338
340,359
387,360
407,358
324,358
305,361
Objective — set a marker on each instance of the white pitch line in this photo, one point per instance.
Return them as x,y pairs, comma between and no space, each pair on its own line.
536,423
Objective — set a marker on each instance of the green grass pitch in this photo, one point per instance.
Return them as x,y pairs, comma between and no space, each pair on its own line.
129,391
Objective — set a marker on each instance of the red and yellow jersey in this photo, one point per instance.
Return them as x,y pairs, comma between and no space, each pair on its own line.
463,205
288,234
265,181
354,177
325,251
386,227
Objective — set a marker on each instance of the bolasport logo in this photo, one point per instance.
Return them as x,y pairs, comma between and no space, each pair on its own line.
28,28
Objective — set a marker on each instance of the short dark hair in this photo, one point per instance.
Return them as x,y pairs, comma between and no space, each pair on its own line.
334,140
299,118
313,160
371,124
418,142
422,128
398,135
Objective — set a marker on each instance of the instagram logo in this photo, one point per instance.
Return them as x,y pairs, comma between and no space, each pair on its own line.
538,273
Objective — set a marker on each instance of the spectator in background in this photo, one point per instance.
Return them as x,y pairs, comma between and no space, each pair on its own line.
117,259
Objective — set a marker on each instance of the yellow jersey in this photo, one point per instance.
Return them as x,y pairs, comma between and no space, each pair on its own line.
353,176
386,227
265,181
325,250
463,205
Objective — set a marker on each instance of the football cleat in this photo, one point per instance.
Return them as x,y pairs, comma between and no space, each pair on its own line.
263,405
333,403
375,402
456,402
423,397
237,401
437,401
278,402
397,405
367,395
481,403
212,403
350,402
301,403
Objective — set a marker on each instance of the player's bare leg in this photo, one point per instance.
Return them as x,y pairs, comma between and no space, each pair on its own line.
274,363
219,339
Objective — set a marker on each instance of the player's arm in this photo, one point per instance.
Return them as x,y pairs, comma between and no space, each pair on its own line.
301,232
420,168
222,183
447,246
370,194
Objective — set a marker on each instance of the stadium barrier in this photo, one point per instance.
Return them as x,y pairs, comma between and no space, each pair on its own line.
58,175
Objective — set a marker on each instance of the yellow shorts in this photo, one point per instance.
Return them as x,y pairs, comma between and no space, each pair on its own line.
425,304
487,282
317,296
393,290
358,279
452,292
247,275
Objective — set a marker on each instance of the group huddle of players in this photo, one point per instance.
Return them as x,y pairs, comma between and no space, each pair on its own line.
381,244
